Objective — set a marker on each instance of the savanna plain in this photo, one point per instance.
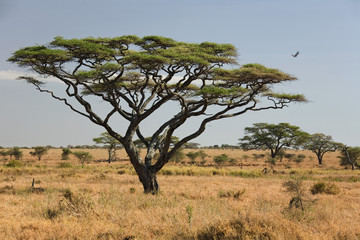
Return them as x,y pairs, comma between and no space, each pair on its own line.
196,201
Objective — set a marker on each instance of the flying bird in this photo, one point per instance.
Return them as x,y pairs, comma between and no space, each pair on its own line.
295,55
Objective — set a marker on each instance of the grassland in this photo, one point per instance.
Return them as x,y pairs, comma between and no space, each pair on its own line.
105,201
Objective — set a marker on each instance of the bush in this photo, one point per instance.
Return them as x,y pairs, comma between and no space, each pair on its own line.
231,194
14,164
65,165
327,188
221,159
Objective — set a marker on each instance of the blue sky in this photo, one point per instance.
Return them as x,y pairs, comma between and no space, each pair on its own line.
326,32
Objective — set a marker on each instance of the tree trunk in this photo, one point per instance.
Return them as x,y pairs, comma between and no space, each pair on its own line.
148,179
109,160
319,159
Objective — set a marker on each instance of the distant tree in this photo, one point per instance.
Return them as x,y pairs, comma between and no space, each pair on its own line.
320,144
203,155
65,153
4,153
245,157
290,156
299,158
39,152
273,137
110,143
192,156
16,153
350,156
83,156
178,156
281,154
221,159
136,78
191,145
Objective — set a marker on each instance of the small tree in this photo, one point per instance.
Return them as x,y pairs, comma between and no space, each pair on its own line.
320,144
350,155
299,158
65,155
192,156
273,137
16,152
290,156
178,156
221,159
203,155
83,156
110,143
39,152
4,153
296,187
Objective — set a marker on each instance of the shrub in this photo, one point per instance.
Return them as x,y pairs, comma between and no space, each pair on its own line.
271,161
192,156
221,159
16,152
231,194
14,164
299,158
327,188
65,154
65,165
83,156
295,186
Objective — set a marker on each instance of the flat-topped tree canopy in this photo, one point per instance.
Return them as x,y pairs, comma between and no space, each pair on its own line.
136,77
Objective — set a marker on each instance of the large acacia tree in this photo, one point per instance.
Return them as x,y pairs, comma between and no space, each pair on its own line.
137,77
320,144
273,137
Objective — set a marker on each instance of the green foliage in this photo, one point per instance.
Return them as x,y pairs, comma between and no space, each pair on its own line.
39,152
273,137
4,153
323,187
65,165
189,211
16,153
320,144
299,158
192,156
14,164
178,156
271,161
65,154
110,143
83,156
354,155
221,159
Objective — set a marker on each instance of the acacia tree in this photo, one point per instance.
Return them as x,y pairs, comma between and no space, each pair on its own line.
110,143
320,144
350,155
139,77
39,152
273,137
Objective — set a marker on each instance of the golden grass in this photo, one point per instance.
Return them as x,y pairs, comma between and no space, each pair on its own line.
107,202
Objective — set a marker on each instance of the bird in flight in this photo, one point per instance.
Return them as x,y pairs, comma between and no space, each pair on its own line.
295,55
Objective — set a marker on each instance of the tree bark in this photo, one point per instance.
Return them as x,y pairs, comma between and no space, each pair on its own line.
148,179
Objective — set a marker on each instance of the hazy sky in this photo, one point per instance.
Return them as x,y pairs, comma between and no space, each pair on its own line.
326,32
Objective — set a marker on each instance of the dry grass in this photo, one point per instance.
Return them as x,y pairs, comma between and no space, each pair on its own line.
105,201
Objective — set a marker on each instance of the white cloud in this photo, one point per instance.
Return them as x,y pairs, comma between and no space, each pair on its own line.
13,75
10,74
